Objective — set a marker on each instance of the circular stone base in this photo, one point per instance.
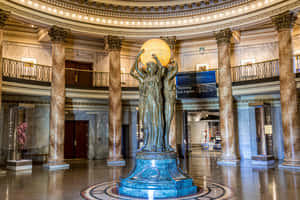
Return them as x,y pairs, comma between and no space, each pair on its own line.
109,191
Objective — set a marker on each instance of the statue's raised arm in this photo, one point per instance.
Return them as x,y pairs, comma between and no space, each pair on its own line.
174,70
140,75
160,67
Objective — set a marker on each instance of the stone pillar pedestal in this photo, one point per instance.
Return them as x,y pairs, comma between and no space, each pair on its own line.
263,157
57,113
115,157
288,91
229,155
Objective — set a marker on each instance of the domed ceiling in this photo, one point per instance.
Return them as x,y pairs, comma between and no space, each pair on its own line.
148,18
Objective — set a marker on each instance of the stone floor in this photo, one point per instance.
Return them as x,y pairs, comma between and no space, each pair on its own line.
247,183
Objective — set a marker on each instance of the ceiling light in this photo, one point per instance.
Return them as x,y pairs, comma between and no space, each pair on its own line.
36,5
98,20
92,19
29,2
43,7
67,14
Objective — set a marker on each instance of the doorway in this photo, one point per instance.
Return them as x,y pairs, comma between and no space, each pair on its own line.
76,139
79,74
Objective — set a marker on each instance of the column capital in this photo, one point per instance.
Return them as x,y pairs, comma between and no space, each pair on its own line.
3,17
58,34
284,20
170,40
113,43
223,36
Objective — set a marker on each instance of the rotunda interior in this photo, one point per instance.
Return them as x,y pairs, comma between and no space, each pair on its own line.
71,115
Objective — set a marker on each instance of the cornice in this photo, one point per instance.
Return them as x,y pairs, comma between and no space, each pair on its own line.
142,10
260,16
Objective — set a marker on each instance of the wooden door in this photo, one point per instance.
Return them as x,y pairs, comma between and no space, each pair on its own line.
69,140
76,139
79,74
80,139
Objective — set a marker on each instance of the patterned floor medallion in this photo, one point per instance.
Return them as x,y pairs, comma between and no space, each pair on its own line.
109,191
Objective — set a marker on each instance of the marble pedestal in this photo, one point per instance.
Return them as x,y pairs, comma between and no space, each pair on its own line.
115,163
56,166
19,165
228,162
156,175
263,160
289,165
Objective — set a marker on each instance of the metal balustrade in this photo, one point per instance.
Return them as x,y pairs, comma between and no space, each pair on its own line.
29,71
255,71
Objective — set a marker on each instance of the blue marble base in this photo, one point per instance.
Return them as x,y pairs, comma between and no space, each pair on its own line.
156,175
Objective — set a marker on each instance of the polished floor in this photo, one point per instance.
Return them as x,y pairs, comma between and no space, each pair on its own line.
246,182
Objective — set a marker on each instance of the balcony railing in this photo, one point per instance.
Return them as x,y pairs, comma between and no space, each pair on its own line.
255,71
29,71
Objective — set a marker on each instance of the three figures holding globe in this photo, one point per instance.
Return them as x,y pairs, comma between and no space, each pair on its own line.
157,93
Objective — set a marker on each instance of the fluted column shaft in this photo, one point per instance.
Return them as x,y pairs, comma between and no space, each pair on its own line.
115,103
225,96
57,113
288,90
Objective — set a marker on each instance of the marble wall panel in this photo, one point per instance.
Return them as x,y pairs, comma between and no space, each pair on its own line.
17,51
244,133
278,147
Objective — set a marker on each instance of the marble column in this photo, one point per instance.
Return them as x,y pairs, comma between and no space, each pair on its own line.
288,90
57,104
3,17
229,155
115,157
172,136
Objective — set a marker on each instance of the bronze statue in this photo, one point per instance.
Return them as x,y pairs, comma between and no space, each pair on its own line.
156,103
169,99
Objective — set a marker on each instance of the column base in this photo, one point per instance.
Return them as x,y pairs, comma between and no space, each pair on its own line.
115,162
3,172
226,162
56,166
263,160
19,165
289,165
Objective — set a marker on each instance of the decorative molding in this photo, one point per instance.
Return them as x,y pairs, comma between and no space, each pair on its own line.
142,11
285,20
223,36
259,17
113,43
58,34
3,17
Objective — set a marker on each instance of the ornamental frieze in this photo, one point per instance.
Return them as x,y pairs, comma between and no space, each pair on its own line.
151,12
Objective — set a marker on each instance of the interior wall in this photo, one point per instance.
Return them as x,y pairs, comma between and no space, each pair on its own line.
197,131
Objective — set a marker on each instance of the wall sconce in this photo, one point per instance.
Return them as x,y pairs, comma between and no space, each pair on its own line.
202,50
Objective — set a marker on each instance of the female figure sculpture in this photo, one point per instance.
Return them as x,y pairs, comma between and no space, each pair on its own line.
169,99
153,120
